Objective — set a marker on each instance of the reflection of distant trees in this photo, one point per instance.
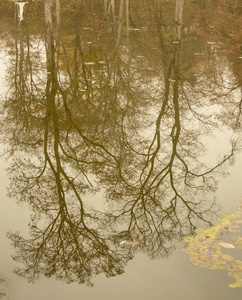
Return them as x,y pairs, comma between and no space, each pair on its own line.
85,120
218,25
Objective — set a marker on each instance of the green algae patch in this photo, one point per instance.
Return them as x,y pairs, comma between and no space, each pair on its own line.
206,247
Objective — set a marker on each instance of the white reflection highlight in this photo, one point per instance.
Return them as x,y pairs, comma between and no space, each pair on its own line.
21,9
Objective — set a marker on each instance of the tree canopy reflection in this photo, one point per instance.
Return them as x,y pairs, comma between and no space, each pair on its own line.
86,114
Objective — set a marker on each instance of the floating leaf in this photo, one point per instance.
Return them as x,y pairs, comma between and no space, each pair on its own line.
89,63
129,243
226,245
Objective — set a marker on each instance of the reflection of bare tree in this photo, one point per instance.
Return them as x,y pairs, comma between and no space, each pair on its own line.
69,249
72,245
85,130
169,198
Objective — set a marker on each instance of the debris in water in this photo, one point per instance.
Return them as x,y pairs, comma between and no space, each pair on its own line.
226,245
129,243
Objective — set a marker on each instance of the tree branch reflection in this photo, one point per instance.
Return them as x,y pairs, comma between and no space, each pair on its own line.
89,124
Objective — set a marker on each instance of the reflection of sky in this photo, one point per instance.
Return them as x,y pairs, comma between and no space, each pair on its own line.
12,218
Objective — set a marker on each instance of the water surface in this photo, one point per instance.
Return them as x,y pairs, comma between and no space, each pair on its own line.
120,138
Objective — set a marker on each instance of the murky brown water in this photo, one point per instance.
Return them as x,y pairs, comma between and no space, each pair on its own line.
120,139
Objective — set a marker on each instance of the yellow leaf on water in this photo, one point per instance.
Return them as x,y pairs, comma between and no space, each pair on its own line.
226,245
